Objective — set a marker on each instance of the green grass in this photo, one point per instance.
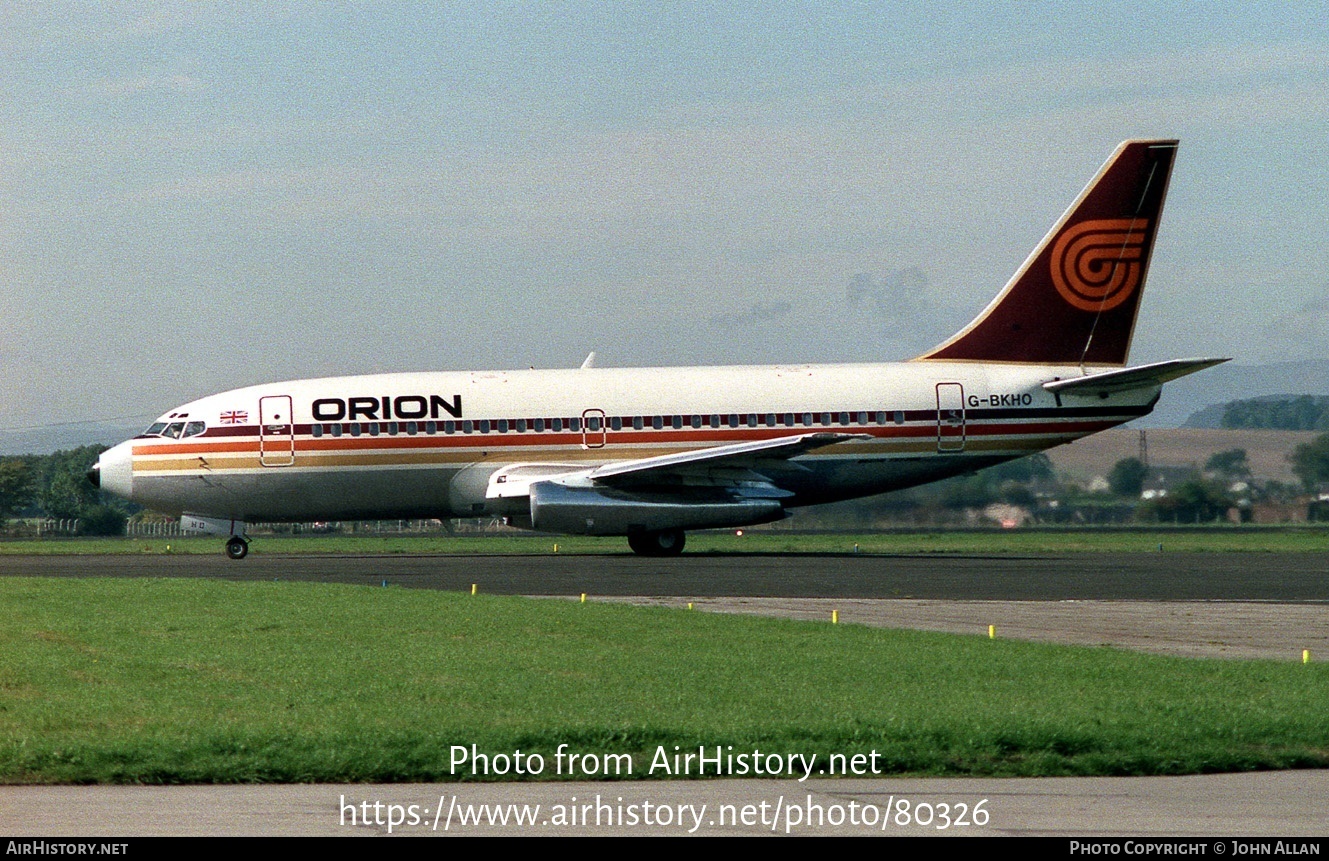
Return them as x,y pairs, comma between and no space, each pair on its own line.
163,681
1218,539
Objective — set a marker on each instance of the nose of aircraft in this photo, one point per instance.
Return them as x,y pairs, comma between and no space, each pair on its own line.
114,472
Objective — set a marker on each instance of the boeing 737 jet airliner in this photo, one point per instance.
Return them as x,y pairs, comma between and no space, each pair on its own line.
650,453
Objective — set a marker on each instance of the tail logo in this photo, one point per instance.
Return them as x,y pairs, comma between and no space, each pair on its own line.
1096,264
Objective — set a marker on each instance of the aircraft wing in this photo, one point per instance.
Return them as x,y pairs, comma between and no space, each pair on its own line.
1144,376
736,465
738,456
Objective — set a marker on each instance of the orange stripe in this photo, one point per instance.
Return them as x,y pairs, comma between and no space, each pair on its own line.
688,436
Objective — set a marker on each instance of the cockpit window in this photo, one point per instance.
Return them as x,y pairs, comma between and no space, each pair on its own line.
156,428
174,430
195,428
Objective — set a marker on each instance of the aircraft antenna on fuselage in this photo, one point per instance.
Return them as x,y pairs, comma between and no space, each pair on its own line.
590,361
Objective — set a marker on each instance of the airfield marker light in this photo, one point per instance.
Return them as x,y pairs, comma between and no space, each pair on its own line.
689,605
855,548
992,632
555,548
835,617
472,588
739,533
583,597
1305,656
385,584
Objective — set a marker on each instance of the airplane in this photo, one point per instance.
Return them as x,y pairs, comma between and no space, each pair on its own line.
650,453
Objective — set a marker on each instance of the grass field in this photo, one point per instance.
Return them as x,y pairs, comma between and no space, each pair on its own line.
164,681
1216,539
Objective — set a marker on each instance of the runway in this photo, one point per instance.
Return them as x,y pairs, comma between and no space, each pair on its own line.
1278,577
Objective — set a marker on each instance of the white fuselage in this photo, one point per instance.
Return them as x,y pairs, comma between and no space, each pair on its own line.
430,444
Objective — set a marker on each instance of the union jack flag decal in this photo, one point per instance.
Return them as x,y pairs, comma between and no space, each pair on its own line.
234,417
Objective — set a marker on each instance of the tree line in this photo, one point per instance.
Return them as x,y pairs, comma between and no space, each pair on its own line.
1299,413
56,486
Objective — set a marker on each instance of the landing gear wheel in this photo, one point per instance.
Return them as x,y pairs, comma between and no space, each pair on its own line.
237,547
668,542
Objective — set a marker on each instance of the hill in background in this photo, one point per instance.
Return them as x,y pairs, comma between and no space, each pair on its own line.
1201,397
1266,450
1272,412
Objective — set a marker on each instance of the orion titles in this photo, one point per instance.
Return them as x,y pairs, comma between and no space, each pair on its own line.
386,408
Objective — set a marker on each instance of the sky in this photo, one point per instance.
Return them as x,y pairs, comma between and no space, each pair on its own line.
199,196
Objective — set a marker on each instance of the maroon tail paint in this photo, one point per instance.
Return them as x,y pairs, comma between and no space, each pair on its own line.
1075,299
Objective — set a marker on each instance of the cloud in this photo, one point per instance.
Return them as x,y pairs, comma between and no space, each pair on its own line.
762,313
132,86
1300,334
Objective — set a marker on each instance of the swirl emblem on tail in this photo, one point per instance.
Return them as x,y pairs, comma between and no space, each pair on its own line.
1096,264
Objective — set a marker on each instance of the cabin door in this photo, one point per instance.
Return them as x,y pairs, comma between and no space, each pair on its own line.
950,417
276,431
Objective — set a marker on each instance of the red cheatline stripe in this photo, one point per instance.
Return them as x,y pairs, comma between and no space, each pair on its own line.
613,438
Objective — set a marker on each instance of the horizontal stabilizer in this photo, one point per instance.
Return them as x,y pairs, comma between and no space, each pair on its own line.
1142,377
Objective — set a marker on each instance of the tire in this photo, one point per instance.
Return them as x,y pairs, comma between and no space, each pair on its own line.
237,548
667,542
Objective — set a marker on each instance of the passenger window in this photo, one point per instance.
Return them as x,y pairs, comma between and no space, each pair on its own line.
616,423
484,425
373,428
539,425
431,428
392,428
556,424
657,422
449,427
752,420
412,428
468,426
788,420
677,422
899,417
592,423
807,420
521,425
881,418
636,422
502,425
316,430
862,418
336,430
574,424
696,421
357,428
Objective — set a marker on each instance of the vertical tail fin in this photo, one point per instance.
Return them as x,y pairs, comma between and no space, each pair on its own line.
1075,299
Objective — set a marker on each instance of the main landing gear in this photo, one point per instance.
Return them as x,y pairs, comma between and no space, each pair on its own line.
668,542
237,547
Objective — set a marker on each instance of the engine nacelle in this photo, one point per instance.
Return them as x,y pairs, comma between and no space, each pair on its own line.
604,511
